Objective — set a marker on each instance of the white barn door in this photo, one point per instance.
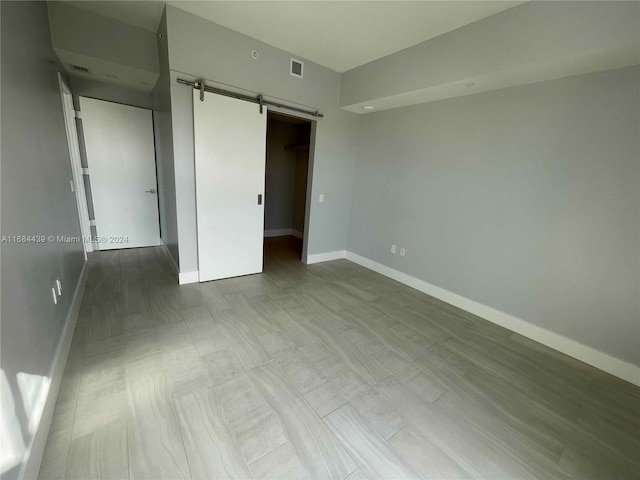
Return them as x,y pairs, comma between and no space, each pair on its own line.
230,149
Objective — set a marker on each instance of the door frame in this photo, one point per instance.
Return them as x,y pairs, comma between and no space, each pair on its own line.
96,246
73,143
308,198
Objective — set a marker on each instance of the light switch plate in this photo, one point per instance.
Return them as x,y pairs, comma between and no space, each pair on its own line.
321,198
393,249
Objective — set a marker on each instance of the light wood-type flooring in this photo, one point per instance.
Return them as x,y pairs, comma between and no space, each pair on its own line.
328,371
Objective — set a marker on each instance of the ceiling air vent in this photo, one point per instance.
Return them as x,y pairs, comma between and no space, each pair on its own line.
296,68
79,68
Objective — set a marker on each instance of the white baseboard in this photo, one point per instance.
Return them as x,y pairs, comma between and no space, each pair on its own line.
183,277
188,277
35,451
278,232
325,257
282,232
589,355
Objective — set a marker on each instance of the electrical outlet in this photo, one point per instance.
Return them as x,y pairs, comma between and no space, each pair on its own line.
59,286
72,185
55,297
393,249
402,251
321,198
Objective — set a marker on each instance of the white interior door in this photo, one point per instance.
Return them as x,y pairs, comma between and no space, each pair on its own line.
230,148
122,173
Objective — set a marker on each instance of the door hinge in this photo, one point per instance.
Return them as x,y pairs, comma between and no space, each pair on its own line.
78,114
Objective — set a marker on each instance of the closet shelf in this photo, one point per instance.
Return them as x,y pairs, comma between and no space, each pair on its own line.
297,148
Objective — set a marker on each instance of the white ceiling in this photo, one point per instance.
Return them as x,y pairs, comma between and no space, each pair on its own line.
340,35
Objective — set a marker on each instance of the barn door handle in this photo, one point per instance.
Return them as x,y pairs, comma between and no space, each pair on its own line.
259,199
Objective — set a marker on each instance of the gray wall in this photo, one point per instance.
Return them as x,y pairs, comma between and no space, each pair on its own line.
524,199
280,175
83,32
83,87
163,139
225,57
539,39
36,199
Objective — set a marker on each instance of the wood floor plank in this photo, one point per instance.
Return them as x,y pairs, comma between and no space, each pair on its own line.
135,298
102,454
418,323
380,333
223,366
209,444
54,460
99,408
164,305
367,367
316,447
454,436
106,318
380,414
282,320
280,463
212,297
256,429
323,312
424,456
156,450
323,395
376,350
241,340
369,450
344,379
340,361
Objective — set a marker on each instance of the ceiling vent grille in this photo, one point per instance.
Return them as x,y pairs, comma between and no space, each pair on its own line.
296,68
79,68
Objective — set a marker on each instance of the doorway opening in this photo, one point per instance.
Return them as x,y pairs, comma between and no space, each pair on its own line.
286,184
120,151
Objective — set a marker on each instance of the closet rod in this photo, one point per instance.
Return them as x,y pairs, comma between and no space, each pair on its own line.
198,85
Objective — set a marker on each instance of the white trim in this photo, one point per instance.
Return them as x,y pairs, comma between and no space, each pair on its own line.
278,232
73,145
35,451
325,257
282,232
183,277
584,353
188,277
